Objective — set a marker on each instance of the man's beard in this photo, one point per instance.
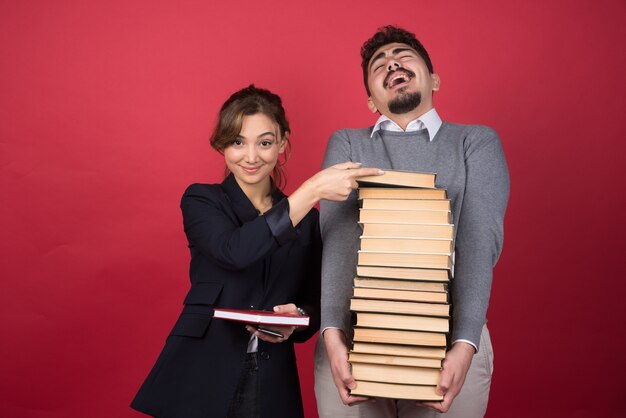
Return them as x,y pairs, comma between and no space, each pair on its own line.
405,103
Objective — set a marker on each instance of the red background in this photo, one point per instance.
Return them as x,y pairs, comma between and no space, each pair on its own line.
105,113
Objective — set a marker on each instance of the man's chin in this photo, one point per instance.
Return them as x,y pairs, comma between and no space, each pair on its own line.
405,102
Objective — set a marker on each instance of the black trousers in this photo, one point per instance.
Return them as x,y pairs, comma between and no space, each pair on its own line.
246,401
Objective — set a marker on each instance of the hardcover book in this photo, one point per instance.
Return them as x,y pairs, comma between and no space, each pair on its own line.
399,350
399,230
395,294
261,317
396,374
400,284
405,322
401,193
406,204
400,178
424,217
432,363
400,273
428,339
397,307
396,391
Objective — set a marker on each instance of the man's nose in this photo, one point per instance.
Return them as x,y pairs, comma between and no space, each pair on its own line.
392,65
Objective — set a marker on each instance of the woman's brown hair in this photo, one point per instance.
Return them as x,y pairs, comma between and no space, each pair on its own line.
247,102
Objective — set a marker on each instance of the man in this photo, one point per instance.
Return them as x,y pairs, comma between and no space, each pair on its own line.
470,164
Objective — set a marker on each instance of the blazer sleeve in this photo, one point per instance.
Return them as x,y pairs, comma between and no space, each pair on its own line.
212,227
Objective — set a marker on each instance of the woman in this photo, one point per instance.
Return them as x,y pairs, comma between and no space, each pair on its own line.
251,248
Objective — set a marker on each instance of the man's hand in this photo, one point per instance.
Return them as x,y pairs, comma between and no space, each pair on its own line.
337,349
455,367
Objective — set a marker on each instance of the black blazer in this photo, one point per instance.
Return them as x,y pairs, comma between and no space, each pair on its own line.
238,260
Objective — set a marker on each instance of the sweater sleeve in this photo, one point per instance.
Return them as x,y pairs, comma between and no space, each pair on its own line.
217,235
340,233
479,235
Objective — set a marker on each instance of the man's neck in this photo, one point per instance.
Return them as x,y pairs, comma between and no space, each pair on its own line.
404,119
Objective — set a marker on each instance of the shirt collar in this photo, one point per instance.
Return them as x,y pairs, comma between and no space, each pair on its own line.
429,120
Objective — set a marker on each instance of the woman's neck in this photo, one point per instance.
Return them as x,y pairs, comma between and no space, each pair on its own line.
259,194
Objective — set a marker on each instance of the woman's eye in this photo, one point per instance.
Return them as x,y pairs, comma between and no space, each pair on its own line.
266,143
236,142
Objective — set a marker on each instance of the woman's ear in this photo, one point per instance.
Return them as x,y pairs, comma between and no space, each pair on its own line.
283,142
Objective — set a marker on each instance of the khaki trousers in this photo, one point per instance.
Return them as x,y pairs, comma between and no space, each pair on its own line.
470,403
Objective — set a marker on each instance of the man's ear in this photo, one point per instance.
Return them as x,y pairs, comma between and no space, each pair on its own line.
436,81
371,106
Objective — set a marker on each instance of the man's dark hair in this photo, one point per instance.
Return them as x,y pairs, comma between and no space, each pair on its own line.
388,35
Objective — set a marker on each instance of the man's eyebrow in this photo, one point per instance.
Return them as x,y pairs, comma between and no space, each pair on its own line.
377,57
395,51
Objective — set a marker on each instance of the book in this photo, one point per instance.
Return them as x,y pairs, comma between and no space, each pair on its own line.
400,284
401,273
399,350
395,374
396,230
393,294
392,306
400,178
433,261
396,391
428,217
394,360
407,245
389,336
401,193
402,322
261,317
406,204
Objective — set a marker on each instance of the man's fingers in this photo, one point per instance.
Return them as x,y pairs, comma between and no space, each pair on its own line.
442,406
446,381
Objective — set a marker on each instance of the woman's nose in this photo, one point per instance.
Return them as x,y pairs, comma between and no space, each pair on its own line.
251,153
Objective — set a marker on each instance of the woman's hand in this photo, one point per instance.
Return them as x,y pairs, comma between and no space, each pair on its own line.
338,181
333,183
286,331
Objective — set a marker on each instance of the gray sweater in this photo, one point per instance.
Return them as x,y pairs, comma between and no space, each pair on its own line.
470,164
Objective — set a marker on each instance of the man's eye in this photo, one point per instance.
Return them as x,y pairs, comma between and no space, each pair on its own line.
378,67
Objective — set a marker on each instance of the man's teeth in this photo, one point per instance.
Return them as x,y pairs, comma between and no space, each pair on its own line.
400,78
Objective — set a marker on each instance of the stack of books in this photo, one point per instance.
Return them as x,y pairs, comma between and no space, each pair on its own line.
401,300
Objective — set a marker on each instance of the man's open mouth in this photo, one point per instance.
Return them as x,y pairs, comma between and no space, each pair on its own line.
396,78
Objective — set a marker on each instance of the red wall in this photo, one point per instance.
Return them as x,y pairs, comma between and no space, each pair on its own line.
105,113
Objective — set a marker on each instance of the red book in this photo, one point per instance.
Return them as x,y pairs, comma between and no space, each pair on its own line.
261,317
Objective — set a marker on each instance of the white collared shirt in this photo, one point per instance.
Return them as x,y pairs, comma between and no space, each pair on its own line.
429,120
